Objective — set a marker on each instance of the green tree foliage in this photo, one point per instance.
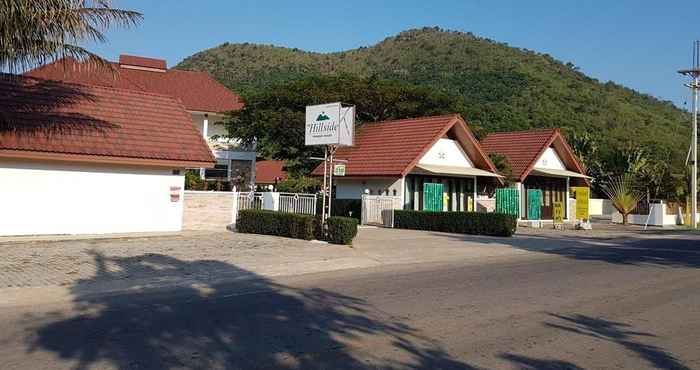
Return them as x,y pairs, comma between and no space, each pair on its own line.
299,184
33,32
275,118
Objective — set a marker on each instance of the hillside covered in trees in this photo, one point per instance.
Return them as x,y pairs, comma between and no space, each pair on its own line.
500,88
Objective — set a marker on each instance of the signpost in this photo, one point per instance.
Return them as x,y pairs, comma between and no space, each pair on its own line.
582,199
339,170
331,125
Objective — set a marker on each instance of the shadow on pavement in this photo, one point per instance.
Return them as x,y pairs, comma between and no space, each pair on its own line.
210,326
669,252
530,363
618,333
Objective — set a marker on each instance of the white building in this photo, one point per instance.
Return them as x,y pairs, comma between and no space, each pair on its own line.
431,163
78,159
205,100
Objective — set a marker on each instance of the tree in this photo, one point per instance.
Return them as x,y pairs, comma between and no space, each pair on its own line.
503,167
622,194
33,32
274,118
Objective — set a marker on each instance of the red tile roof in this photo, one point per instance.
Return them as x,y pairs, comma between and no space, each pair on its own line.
269,172
392,148
53,120
197,90
524,148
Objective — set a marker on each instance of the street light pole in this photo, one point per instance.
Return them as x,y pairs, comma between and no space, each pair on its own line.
694,73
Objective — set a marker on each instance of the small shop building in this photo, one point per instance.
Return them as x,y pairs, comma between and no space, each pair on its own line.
540,159
79,159
430,163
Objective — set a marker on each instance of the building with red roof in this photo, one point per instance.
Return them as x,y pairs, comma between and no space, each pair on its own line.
78,159
540,160
269,173
410,158
205,99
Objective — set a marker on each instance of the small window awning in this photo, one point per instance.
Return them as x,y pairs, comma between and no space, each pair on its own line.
429,169
557,173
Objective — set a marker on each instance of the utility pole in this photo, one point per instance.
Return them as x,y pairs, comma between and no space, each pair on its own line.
694,85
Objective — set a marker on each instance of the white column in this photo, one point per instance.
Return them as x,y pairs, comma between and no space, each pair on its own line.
205,130
475,202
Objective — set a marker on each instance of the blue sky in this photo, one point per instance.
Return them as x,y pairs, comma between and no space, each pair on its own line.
639,44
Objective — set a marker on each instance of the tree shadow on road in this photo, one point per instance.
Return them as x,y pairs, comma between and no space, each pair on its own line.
250,323
618,333
678,252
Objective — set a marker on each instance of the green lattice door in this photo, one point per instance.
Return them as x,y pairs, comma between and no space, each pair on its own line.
432,196
507,201
534,204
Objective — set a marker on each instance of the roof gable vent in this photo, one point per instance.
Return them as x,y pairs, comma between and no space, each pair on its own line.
142,63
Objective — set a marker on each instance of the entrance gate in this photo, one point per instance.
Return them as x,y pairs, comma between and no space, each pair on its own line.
379,209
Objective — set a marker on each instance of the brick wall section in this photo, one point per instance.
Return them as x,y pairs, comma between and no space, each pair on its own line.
207,210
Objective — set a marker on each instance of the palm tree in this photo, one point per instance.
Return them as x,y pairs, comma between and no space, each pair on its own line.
33,32
622,194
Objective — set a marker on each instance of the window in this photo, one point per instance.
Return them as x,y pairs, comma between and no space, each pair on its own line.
220,170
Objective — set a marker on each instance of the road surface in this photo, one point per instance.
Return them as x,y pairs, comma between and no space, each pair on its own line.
633,307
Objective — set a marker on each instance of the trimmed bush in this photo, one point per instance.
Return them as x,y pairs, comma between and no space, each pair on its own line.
292,225
495,224
341,230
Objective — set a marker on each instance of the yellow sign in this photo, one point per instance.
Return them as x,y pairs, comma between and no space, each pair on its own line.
558,213
582,197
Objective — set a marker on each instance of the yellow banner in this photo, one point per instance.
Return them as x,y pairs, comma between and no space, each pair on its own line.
582,198
558,212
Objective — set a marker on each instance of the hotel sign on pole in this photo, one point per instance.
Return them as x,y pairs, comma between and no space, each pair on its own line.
329,124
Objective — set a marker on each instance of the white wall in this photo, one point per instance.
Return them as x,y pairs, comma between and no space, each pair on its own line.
354,188
212,127
63,198
446,152
550,160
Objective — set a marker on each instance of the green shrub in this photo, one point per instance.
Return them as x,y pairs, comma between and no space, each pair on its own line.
495,224
341,230
292,225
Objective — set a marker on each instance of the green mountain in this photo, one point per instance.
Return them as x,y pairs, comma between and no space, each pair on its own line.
504,88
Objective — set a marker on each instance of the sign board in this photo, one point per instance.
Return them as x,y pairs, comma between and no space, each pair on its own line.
329,124
558,213
175,193
339,170
582,198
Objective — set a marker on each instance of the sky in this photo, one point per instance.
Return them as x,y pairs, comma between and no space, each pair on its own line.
640,44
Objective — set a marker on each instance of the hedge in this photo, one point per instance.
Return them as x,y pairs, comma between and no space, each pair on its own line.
341,230
292,225
495,224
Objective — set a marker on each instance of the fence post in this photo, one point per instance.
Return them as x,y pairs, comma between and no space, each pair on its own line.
234,208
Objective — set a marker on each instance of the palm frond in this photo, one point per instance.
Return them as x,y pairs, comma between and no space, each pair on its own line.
35,32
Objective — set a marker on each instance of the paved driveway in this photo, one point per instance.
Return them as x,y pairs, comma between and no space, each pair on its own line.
82,267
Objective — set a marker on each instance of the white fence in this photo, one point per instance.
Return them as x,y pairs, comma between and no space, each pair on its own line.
379,209
280,202
297,203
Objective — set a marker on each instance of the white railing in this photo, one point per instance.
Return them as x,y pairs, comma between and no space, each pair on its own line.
249,200
297,203
379,209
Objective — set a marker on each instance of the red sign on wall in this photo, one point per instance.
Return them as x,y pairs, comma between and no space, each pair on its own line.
175,193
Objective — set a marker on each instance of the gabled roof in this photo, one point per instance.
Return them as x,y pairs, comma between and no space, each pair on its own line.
269,172
393,148
198,91
43,119
524,148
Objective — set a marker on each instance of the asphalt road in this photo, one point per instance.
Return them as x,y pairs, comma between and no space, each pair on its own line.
635,306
